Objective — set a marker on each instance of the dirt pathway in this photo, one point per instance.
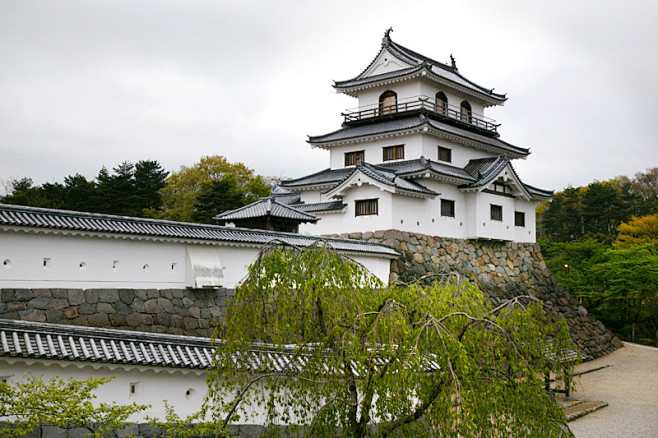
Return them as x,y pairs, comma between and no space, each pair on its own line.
629,386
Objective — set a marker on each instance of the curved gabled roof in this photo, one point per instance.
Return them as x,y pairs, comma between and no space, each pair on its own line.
364,131
266,207
416,61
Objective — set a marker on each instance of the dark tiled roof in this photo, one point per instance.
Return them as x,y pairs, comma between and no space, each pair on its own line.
266,207
33,217
390,178
287,198
39,340
401,124
321,206
89,344
417,62
423,165
323,177
539,194
484,170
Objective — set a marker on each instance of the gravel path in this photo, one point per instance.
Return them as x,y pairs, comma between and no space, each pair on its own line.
629,385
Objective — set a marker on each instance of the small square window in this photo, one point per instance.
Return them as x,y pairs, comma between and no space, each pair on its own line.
366,207
353,158
393,153
445,154
496,212
447,208
519,219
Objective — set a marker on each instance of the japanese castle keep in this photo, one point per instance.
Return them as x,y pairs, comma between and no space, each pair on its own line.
417,155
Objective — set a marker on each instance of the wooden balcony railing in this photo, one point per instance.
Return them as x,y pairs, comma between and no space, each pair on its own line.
421,103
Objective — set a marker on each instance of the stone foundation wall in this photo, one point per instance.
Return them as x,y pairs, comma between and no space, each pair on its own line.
501,269
174,311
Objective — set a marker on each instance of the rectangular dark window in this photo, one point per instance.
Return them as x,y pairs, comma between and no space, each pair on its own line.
519,219
496,212
366,207
393,153
447,208
445,154
352,158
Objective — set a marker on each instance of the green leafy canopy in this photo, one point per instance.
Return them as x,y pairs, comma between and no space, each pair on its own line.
385,361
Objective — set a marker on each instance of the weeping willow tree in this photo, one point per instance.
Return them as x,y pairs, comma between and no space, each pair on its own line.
368,360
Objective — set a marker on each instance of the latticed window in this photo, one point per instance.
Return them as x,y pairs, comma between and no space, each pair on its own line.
445,154
393,153
365,207
496,212
447,208
352,158
388,102
441,102
465,112
519,219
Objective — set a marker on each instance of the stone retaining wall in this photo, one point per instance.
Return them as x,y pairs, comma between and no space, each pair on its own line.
501,269
174,311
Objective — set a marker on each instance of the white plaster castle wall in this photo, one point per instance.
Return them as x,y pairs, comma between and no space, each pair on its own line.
39,260
373,150
528,232
107,262
461,154
153,384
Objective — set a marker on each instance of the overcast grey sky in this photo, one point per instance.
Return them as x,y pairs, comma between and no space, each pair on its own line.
90,83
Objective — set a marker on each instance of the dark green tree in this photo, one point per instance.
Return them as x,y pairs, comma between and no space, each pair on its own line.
149,180
216,197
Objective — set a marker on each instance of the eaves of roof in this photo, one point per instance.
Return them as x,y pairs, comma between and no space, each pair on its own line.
38,340
419,62
323,177
363,132
263,208
121,226
320,207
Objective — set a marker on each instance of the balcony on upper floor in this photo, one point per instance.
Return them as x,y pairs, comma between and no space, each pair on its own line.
437,109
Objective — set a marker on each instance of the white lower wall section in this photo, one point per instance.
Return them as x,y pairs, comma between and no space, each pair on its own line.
472,218
44,260
184,389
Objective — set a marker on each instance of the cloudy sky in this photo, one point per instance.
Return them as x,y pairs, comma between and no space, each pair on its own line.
90,83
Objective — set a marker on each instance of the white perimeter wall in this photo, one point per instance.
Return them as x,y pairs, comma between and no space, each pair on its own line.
40,260
183,389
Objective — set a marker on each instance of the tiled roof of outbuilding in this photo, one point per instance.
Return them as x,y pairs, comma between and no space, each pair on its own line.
45,218
266,207
38,340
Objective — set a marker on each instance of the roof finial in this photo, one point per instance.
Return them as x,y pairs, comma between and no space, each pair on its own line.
453,62
387,36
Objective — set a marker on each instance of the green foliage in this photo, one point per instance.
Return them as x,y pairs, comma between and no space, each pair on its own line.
195,185
618,284
63,403
597,210
192,426
130,190
370,360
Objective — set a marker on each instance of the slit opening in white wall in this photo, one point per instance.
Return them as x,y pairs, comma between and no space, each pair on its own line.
46,263
146,267
83,265
132,389
6,263
115,265
174,266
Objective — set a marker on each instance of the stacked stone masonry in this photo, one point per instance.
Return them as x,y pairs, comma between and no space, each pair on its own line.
501,269
174,311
